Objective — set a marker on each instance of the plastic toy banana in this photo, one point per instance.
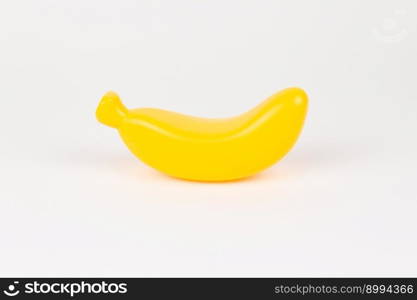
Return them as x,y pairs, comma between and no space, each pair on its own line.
205,149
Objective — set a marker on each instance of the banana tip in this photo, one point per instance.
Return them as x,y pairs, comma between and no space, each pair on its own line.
111,110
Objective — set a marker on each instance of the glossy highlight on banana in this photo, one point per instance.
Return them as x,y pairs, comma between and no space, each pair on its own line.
206,149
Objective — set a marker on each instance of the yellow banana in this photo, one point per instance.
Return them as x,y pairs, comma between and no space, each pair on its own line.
205,149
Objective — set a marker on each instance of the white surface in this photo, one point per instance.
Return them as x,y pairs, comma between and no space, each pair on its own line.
75,202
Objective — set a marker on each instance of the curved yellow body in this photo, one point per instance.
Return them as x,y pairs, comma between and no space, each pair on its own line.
209,149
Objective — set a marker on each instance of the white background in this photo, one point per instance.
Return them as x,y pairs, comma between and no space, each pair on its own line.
75,202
